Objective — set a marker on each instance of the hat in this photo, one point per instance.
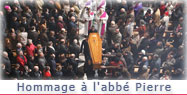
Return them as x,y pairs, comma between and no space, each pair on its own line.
167,13
7,7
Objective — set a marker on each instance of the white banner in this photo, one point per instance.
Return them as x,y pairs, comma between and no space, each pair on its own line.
93,87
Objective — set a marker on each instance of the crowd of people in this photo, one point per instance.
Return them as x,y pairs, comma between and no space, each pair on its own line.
42,40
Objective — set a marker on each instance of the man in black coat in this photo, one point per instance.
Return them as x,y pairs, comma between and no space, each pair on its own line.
75,48
61,48
73,62
129,60
52,24
36,74
15,74
15,24
33,34
43,38
72,29
88,69
160,31
24,23
92,30
41,61
85,49
52,64
50,49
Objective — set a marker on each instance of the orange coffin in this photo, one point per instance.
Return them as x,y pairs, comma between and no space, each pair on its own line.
95,45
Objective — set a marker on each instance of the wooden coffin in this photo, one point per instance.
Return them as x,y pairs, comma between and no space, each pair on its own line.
95,46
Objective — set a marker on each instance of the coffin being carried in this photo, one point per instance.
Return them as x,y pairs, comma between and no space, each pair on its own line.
95,46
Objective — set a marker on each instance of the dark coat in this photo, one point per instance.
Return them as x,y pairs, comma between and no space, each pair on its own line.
36,75
7,64
52,64
14,24
61,48
43,39
15,74
34,36
85,49
52,26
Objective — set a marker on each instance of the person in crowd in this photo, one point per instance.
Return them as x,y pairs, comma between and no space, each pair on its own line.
72,61
15,24
162,8
50,49
117,37
166,76
7,64
62,47
72,30
52,63
16,74
47,73
22,36
59,73
156,16
27,72
154,74
143,65
148,16
125,74
41,61
144,74
43,38
128,31
31,62
19,48
60,23
30,48
142,28
36,73
139,16
169,63
33,35
159,48
75,48
129,60
111,31
52,38
52,24
166,20
13,38
178,74
155,63
21,59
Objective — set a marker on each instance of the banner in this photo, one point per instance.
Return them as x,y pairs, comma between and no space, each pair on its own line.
92,87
